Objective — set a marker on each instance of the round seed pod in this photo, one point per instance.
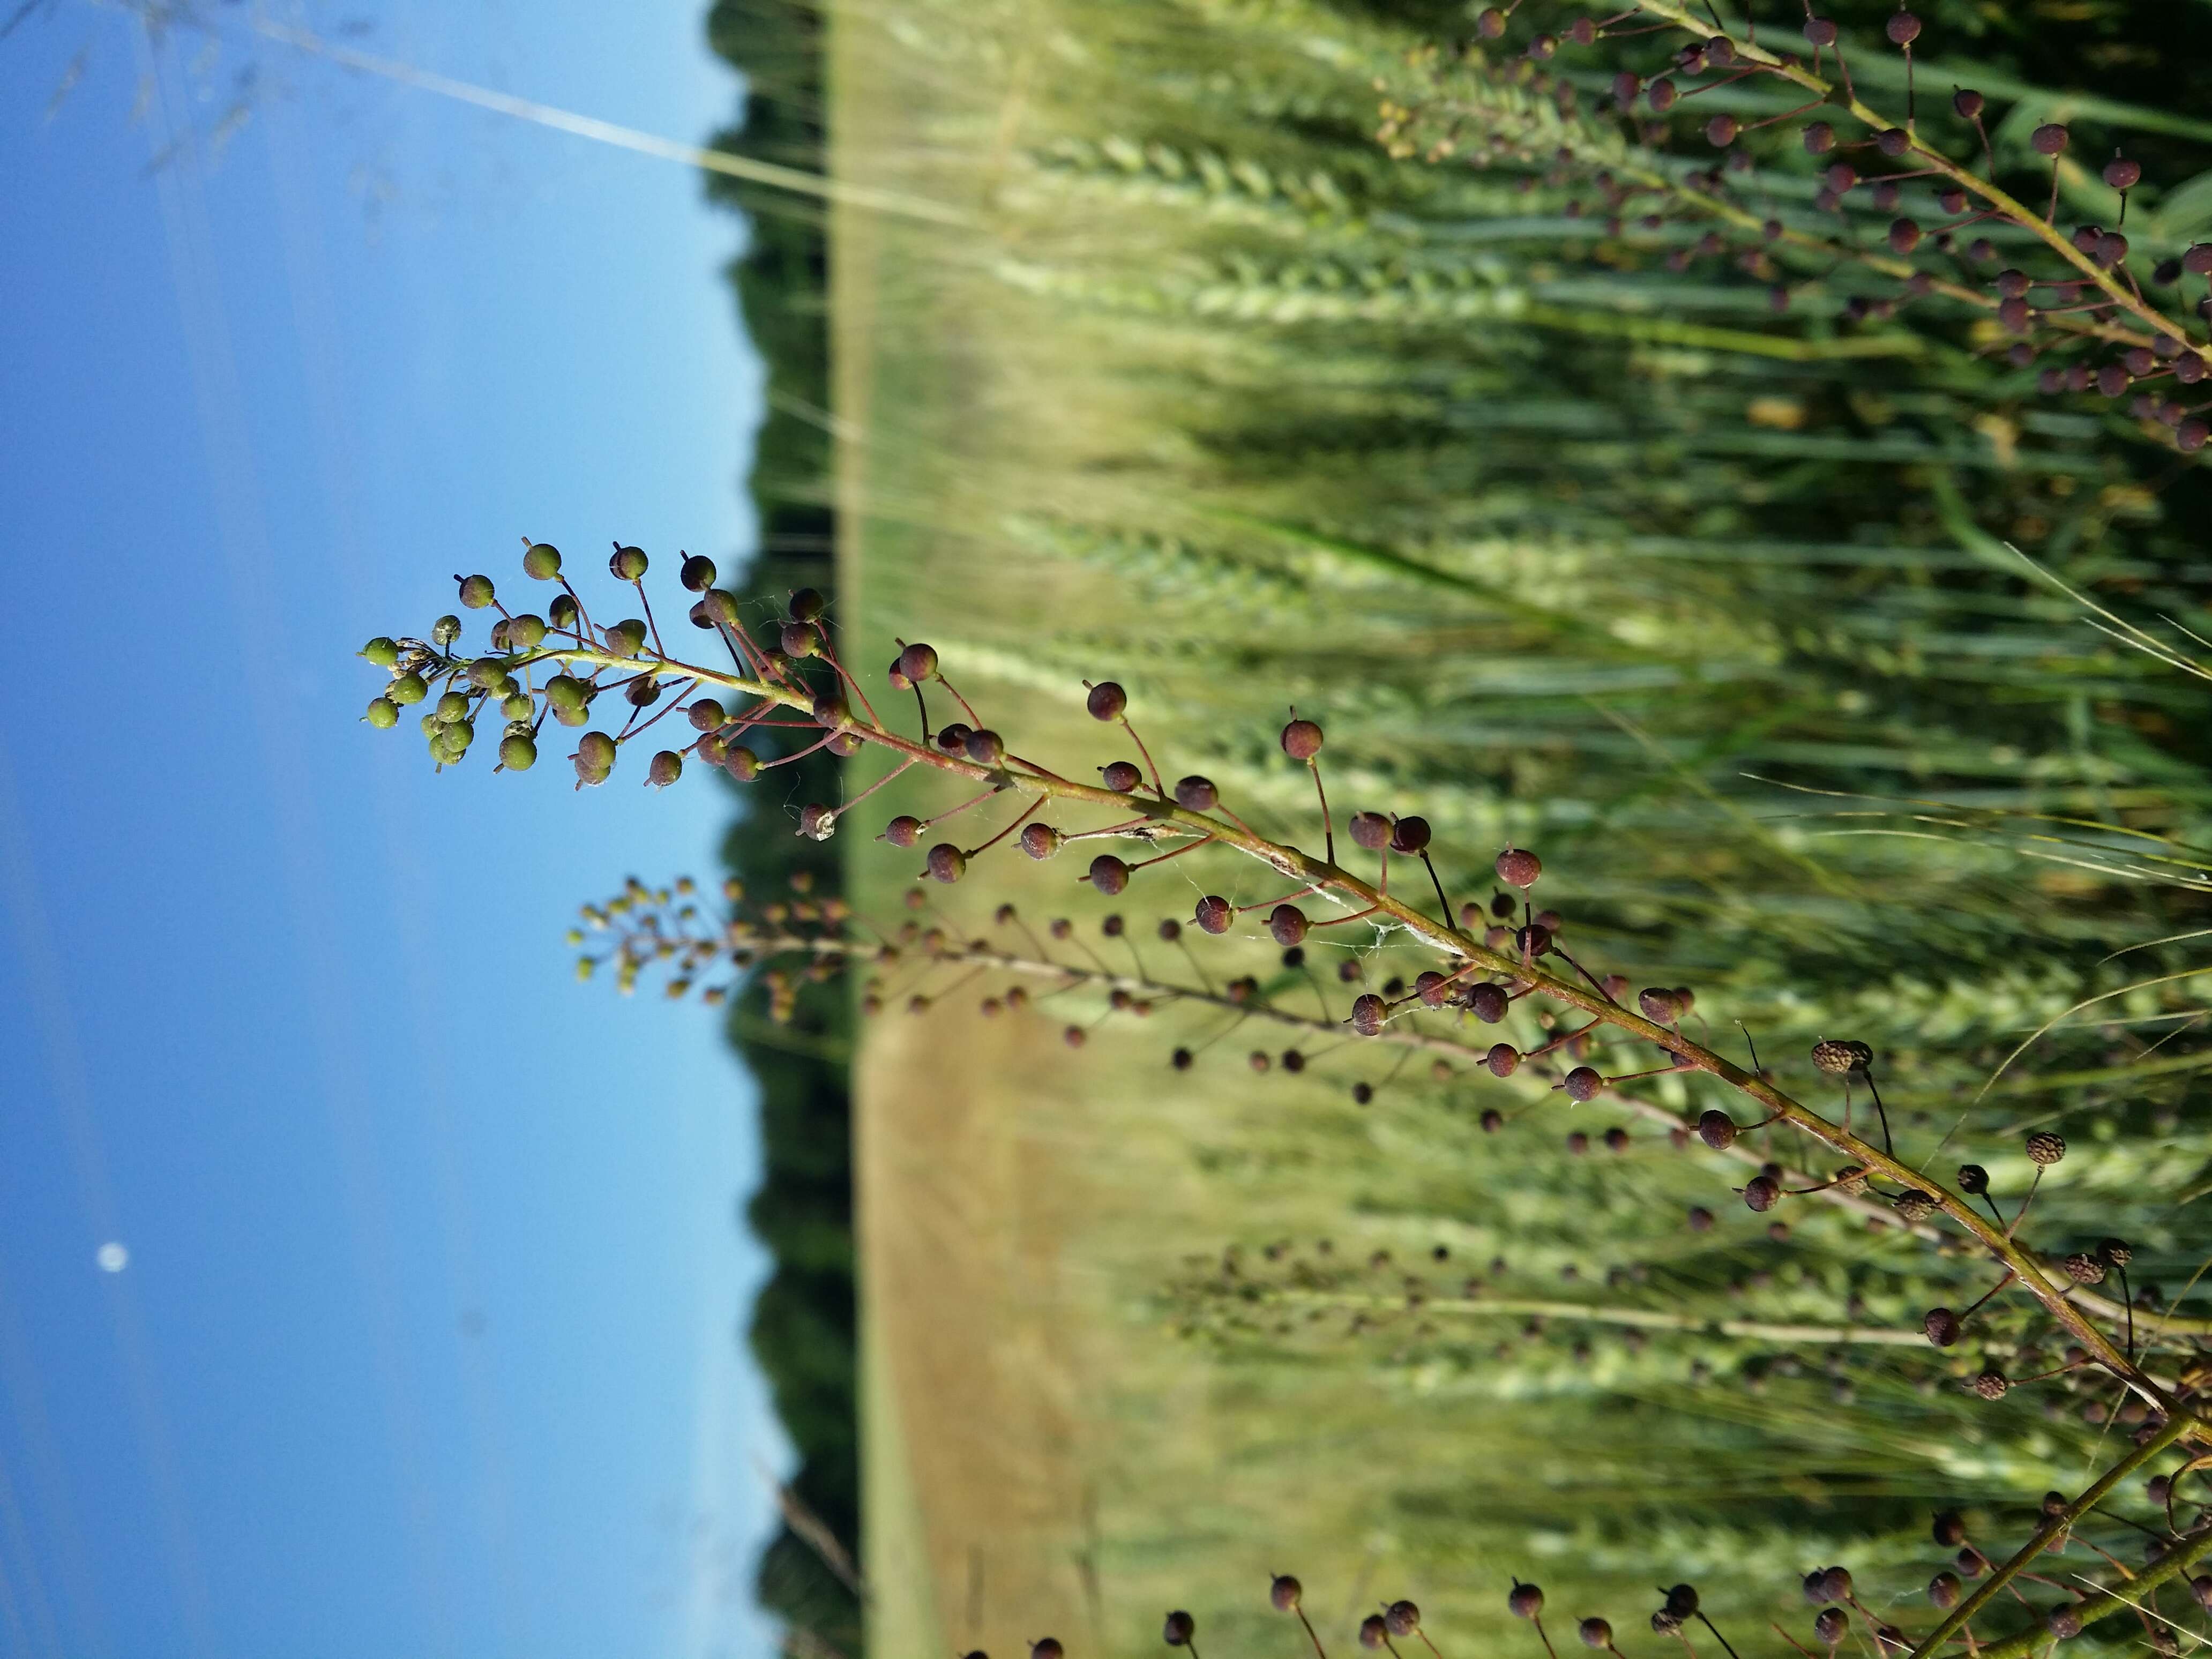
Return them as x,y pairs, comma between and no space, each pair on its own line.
1903,236
1433,989
1047,1649
706,715
697,573
383,651
1503,1060
541,562
918,662
476,592
1661,95
1973,1180
1301,740
1587,1083
1488,1003
1659,1003
408,688
798,640
1902,27
1196,795
2064,1621
2197,259
2190,434
1213,915
1819,137
1286,925
1109,874
1914,1206
807,604
1841,1058
1949,1528
2044,1148
516,751
626,638
1493,1120
1838,1581
1371,831
953,737
382,713
946,863
1721,129
627,563
1373,1633
1941,1326
1178,1630
1596,1632
2050,139
1181,1059
1121,777
526,632
742,763
1701,1218
595,757
1409,835
2084,1268
1533,940
1761,1193
1490,23
444,631
985,748
1368,1013
1526,1601
1284,1593
1402,1617
1831,1625
1107,701
1992,1384
2115,1252
453,705
1966,104
905,830
1517,867
1682,1600
2201,1588
1664,1623
2123,174
1716,1129
664,769
1040,840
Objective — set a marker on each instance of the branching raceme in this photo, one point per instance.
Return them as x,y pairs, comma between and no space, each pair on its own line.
788,679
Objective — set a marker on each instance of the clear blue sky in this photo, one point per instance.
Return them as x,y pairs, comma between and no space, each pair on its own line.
428,1339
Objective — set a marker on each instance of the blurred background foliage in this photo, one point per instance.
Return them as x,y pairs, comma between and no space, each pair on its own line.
1567,547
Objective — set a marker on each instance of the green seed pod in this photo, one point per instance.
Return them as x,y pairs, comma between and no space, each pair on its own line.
446,747
383,714
567,691
476,592
410,687
516,706
432,725
381,651
562,612
663,770
517,752
541,562
452,707
626,638
595,757
698,573
526,632
461,734
487,671
445,630
628,563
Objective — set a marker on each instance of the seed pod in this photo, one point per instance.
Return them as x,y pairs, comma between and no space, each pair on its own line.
1196,795
1433,989
1047,1649
1914,1206
1831,1625
595,757
1213,915
1659,1003
2084,1268
1493,1120
985,748
918,662
1721,130
1487,1002
2115,1252
1526,1601
1503,1060
382,713
1490,23
1819,137
1178,1630
526,632
1533,940
1966,103
798,640
1682,1600
1838,1581
742,763
1409,835
1373,1633
946,863
1761,1193
628,563
2045,1149
1596,1633
1701,1218
518,752
1841,1058
476,592
1121,777
2123,174
1402,1617
1301,740
1903,236
1107,874
1661,95
1941,1326
1284,1593
697,573
541,562
2050,139
1664,1623
904,830
383,651
1107,701
1949,1528
1716,1129
1367,1014
953,737
1286,924
2064,1621
453,705
626,638
1973,1180
1992,1384
1584,1083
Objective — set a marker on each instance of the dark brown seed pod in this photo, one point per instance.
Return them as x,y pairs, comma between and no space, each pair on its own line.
1831,1625
1121,777
1284,1593
1992,1384
697,572
904,830
1368,1013
1716,1129
1433,989
1819,137
1409,835
1701,1218
818,823
1402,1617
1373,1633
2122,173
2044,1148
1503,1060
1109,874
1214,914
1196,795
1973,1180
1302,740
918,662
1517,867
2115,1252
1966,104
1596,1633
1914,1206
1902,27
1286,925
2064,1621
1949,1528
1178,1629
1721,129
2050,139
1488,1003
985,748
1041,841
1842,1057
1682,1600
807,604
2085,1269
1107,701
1941,1326
1526,1601
1659,1003
1584,1083
1047,1649
1762,1192
1491,1120
1371,831
1533,940
946,863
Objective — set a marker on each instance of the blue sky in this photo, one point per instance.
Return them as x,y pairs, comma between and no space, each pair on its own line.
427,1342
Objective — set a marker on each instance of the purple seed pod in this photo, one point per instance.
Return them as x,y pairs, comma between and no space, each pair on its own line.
1716,1129
819,822
1902,28
1041,841
1487,1002
946,863
1966,104
1820,137
1286,925
905,831
1367,1014
1213,915
1409,835
2050,139
1301,740
1109,874
1196,795
1526,1601
1371,831
1517,867
2122,173
1762,1192
1503,1060
1820,31
1121,777
1107,701
1941,1326
1584,1083
918,662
